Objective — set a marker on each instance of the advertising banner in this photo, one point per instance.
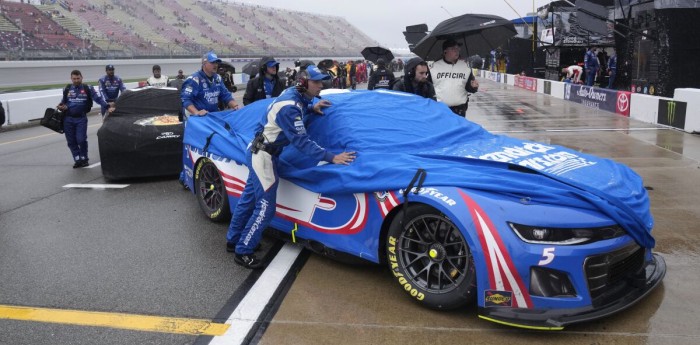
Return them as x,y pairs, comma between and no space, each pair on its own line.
672,113
609,100
527,83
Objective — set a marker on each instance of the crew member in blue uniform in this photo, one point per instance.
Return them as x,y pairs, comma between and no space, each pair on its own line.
203,90
110,86
591,64
76,103
282,124
612,70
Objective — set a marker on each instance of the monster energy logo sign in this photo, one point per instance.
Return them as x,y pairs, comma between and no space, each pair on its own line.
672,113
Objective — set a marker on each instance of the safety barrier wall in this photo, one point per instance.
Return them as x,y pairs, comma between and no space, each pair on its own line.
681,112
691,98
22,107
645,108
28,106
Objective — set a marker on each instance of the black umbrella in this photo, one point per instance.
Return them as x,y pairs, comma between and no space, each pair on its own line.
227,66
325,64
305,63
478,34
374,53
252,68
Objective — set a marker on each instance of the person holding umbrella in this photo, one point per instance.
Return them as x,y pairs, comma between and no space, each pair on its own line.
453,78
382,78
267,84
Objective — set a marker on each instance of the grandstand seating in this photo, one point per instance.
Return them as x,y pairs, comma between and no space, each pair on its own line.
174,27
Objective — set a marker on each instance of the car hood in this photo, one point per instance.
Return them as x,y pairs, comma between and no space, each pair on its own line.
395,134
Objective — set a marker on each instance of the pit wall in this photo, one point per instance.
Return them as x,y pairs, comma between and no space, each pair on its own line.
681,112
24,107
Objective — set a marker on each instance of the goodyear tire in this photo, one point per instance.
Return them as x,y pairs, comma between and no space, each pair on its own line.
430,258
211,191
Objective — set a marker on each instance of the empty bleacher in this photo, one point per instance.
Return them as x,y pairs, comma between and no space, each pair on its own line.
176,28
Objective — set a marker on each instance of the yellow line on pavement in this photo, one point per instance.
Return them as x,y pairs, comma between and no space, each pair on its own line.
114,320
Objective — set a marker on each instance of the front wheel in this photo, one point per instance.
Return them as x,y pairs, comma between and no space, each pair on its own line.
430,258
211,191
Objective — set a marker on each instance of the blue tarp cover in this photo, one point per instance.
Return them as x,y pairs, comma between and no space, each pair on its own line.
394,134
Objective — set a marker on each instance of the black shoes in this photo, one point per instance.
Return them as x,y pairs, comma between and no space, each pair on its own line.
81,164
248,261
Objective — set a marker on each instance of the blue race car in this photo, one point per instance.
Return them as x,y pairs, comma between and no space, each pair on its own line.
539,236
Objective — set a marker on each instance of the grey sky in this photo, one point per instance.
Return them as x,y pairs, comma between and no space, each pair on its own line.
385,20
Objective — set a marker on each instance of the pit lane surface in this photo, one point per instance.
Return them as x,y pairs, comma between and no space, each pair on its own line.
147,250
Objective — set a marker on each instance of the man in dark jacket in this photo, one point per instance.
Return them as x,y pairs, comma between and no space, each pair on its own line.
267,84
416,80
382,78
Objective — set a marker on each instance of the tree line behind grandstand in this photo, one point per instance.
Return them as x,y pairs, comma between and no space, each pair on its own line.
117,29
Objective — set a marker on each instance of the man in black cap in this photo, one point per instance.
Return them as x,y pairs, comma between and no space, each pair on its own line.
453,78
110,85
382,78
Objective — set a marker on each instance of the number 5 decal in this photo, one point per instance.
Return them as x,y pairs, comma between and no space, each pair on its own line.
547,256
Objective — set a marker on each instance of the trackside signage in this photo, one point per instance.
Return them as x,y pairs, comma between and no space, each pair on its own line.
672,113
604,99
527,83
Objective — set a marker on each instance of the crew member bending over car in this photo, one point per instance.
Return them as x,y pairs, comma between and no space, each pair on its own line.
283,123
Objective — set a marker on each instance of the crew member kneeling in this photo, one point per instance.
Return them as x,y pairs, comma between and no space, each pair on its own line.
282,124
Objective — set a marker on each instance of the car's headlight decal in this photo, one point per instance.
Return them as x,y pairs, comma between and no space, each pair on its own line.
564,236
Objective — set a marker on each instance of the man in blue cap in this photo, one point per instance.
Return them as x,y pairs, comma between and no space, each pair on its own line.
203,90
110,86
283,123
267,84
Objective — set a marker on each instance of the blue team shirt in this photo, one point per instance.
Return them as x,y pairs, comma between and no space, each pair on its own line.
612,63
76,99
204,92
590,60
110,87
290,113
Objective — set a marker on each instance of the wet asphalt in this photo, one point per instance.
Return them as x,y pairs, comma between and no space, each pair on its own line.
147,249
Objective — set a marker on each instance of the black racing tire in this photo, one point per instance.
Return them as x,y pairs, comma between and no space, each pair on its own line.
430,258
211,191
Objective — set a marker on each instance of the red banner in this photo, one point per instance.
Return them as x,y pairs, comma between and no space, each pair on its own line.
622,105
527,83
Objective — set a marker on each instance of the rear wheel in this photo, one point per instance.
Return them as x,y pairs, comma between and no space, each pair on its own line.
430,258
211,191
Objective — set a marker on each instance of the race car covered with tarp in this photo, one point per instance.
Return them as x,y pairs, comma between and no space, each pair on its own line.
143,136
537,235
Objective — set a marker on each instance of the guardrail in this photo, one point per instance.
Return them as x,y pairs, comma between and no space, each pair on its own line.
23,107
681,112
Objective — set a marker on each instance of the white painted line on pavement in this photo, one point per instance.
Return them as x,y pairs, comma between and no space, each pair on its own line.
583,130
95,186
248,311
94,165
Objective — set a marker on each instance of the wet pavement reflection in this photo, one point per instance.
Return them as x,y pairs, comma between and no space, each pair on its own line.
335,303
